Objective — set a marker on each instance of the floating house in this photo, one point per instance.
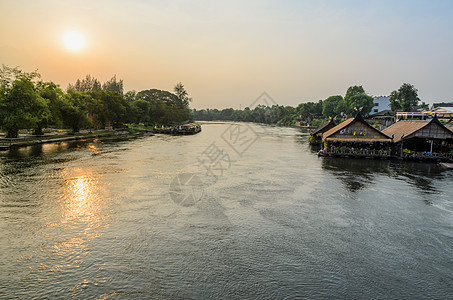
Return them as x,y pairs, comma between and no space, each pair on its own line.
421,139
355,137
316,136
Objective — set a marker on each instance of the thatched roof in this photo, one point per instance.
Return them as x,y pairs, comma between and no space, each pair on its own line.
358,118
325,127
402,130
449,126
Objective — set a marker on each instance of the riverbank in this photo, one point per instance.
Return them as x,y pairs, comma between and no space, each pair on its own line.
30,140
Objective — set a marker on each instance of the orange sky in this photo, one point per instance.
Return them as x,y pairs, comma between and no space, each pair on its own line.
227,53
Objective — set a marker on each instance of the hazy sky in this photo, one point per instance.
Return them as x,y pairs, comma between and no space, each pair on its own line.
227,53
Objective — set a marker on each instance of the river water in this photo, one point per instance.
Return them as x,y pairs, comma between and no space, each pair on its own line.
239,211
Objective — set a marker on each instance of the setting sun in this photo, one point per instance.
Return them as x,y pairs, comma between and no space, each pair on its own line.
74,41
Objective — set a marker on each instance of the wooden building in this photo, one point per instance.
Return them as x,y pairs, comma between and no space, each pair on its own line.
316,136
355,137
421,139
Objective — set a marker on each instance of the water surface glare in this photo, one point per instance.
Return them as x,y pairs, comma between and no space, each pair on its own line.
209,216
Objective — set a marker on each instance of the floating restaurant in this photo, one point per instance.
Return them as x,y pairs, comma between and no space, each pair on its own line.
356,138
420,140
427,139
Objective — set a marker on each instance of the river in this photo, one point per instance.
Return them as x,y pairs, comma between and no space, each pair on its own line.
238,211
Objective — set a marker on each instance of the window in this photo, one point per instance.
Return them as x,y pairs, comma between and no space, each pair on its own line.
375,110
376,104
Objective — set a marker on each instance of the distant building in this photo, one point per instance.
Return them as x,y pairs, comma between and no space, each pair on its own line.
442,104
442,112
420,115
381,103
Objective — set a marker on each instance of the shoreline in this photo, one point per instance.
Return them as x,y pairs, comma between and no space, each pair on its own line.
7,144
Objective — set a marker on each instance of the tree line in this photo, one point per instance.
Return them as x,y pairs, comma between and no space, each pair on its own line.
27,102
277,114
405,98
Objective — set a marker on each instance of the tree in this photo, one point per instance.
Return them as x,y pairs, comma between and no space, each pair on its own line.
53,96
361,100
21,107
309,110
405,98
113,85
8,75
353,91
356,97
330,104
75,110
342,108
140,110
88,84
182,95
113,107
130,96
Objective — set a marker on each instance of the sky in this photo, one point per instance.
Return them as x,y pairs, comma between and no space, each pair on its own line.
227,53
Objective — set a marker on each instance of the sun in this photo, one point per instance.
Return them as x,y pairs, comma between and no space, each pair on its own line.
74,41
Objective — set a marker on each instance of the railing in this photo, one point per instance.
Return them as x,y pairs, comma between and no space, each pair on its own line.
427,155
358,152
9,141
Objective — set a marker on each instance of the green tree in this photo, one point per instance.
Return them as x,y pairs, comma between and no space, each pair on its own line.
112,107
53,96
182,95
361,100
353,91
405,98
74,111
113,85
342,108
21,107
141,109
330,104
88,84
309,110
356,97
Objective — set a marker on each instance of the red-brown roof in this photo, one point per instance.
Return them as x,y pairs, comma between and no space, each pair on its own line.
325,127
404,129
358,118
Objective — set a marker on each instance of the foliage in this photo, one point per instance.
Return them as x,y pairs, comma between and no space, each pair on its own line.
405,98
406,152
113,85
20,106
74,111
353,91
329,106
181,93
53,96
88,84
361,100
310,110
277,114
27,104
